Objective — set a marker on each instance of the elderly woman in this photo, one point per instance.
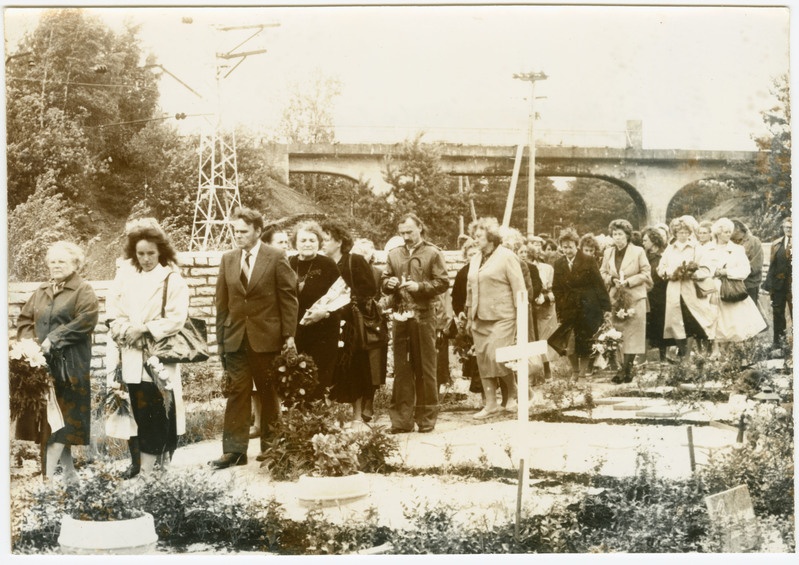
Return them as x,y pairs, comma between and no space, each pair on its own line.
357,374
317,331
654,245
545,302
686,266
495,277
469,248
704,233
739,320
61,315
150,302
626,272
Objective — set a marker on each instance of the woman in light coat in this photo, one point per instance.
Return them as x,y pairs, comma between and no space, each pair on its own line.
495,277
136,307
687,313
737,321
627,275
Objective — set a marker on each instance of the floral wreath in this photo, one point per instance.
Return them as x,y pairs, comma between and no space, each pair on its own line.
29,380
294,377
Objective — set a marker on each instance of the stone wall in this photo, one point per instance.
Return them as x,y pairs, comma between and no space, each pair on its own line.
200,270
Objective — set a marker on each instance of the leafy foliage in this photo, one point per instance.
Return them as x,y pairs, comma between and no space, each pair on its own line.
33,226
419,185
308,116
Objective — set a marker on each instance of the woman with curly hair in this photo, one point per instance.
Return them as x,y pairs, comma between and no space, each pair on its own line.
627,275
61,316
357,373
317,331
150,301
654,243
687,267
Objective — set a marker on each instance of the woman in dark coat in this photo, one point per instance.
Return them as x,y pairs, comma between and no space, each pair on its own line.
654,244
581,300
357,373
317,332
61,316
469,361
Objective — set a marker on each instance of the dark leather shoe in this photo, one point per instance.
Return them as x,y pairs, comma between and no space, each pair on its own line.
426,429
130,472
399,431
261,456
229,460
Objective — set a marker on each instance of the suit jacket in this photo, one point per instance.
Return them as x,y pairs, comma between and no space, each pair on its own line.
491,288
266,310
636,269
778,278
580,294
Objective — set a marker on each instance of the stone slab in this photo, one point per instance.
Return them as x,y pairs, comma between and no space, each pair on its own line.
635,404
663,411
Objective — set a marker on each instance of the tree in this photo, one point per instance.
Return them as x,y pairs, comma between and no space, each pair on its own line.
67,118
775,169
308,116
419,185
33,226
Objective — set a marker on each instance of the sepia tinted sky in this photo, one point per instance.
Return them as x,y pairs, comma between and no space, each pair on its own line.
696,77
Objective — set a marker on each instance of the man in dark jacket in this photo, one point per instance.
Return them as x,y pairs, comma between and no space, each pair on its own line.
778,282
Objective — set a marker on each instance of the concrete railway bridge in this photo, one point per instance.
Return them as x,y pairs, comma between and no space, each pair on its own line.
652,177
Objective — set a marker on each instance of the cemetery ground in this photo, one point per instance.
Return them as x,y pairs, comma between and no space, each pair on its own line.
613,468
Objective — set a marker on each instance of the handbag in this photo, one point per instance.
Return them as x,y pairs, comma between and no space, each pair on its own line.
189,345
369,327
732,290
704,287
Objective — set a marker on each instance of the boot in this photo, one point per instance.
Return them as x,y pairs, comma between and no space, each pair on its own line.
135,459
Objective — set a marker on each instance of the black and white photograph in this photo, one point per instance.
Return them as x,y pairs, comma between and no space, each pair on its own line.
393,279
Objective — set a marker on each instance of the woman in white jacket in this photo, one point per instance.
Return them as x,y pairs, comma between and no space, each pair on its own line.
140,311
737,321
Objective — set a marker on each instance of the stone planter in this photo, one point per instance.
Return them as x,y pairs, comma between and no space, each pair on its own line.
329,491
119,537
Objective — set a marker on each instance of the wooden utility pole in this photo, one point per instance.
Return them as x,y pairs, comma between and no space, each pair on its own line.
531,78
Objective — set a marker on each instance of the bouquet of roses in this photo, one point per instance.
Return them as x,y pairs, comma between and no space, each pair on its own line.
115,408
607,341
29,381
685,271
294,377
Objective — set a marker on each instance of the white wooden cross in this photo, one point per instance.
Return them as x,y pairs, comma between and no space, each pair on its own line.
520,354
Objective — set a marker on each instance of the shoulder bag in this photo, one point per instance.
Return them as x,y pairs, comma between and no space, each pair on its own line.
732,290
370,330
189,345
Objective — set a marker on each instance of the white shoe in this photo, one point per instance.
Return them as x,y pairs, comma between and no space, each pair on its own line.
511,406
487,413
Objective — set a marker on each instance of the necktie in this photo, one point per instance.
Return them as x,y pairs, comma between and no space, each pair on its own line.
788,247
245,270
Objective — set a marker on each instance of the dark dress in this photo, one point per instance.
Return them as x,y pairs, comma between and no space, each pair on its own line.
656,317
357,373
319,340
580,300
68,320
469,363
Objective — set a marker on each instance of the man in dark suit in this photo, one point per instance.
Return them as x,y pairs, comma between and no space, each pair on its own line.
778,282
580,300
256,315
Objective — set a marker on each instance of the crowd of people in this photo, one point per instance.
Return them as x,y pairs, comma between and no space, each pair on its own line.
688,286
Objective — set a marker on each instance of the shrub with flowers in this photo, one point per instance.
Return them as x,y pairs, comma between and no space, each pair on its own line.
294,377
336,454
607,341
28,378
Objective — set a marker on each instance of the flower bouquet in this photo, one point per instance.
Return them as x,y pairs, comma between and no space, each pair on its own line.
115,408
158,373
336,454
622,306
294,377
607,341
685,271
30,388
336,297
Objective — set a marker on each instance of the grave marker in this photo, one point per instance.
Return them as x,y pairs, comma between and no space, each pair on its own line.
732,513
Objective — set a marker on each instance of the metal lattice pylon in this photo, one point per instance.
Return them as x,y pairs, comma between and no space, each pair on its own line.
217,192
